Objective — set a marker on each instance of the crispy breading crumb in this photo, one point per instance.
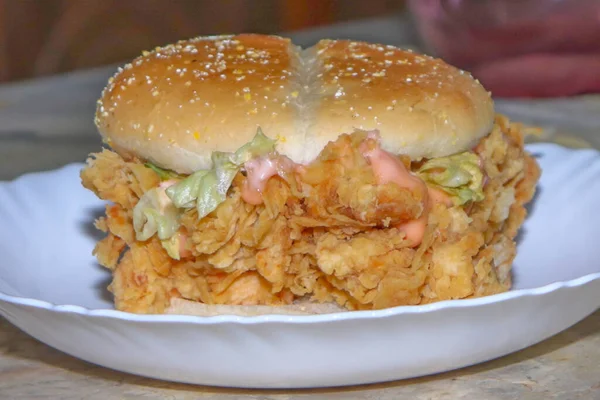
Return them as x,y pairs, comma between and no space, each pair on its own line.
338,244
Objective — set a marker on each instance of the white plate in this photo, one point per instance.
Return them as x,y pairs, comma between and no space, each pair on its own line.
51,287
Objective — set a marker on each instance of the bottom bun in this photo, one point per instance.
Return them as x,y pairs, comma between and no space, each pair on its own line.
186,307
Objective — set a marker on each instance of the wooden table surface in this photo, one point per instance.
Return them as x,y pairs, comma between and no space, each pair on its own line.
47,123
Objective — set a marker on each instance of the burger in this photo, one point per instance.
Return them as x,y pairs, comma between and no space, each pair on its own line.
244,174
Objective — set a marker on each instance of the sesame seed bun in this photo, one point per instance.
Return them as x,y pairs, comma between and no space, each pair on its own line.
175,105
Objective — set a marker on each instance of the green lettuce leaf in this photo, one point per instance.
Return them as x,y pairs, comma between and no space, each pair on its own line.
258,146
171,245
159,209
163,174
206,189
155,214
184,193
458,175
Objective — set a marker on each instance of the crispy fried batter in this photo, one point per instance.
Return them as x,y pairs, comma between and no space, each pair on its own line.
327,235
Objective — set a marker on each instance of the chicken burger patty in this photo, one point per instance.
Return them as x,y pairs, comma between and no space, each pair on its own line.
243,170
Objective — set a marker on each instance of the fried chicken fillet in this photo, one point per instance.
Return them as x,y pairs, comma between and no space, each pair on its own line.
242,170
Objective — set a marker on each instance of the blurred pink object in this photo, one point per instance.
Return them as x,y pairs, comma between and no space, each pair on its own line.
517,48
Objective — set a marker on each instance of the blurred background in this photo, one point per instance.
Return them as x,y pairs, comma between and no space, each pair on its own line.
44,37
517,48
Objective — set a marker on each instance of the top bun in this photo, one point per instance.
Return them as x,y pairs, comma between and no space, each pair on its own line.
175,105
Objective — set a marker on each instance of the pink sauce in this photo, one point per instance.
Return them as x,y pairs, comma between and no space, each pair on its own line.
388,168
184,251
258,172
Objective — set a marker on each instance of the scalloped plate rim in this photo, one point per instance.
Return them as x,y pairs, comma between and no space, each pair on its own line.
268,318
